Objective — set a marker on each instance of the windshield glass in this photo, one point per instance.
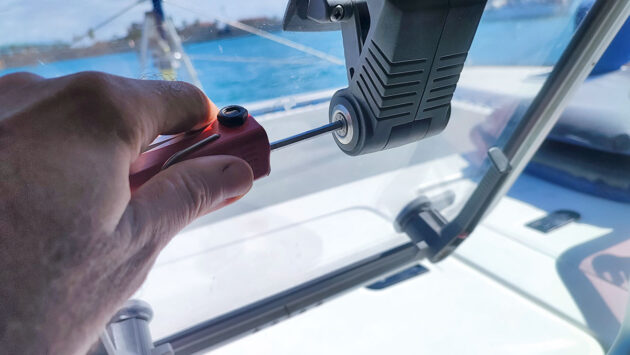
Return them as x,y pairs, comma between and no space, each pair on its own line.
320,209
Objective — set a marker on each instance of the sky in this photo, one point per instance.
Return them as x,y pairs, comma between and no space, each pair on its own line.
43,21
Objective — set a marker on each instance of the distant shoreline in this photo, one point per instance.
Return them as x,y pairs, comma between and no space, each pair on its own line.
31,54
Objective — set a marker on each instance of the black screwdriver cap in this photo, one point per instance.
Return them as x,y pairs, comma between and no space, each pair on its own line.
233,115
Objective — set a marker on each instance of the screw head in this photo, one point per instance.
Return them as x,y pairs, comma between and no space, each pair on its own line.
344,134
233,116
339,116
337,13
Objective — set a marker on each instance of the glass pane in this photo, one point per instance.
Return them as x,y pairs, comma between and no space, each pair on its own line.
319,209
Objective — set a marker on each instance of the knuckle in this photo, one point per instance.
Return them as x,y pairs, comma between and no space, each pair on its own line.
190,89
17,82
194,99
174,87
90,83
99,104
21,76
200,97
89,91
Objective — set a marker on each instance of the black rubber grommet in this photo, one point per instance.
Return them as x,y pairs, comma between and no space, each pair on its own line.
233,115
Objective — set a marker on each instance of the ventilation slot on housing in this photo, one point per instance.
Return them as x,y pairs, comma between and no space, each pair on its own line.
389,87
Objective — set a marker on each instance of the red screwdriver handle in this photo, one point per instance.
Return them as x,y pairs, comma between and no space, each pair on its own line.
235,133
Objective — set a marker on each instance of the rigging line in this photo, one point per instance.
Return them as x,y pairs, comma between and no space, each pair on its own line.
270,36
238,59
284,41
108,20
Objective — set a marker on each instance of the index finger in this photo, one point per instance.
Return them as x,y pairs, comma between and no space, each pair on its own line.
139,110
168,107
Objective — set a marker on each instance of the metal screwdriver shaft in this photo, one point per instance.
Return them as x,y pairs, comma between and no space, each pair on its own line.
333,126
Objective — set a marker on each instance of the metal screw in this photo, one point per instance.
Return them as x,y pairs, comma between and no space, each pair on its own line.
340,117
345,134
337,13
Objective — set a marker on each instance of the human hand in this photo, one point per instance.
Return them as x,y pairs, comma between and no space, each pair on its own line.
75,243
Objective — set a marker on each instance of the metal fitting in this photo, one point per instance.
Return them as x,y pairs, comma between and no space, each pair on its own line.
340,113
337,13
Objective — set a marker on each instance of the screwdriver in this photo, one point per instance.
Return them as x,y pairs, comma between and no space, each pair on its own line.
333,126
234,133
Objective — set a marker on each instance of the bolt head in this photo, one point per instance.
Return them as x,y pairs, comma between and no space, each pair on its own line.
337,13
341,132
232,116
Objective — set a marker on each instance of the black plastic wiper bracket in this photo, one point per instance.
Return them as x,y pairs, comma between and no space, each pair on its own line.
403,61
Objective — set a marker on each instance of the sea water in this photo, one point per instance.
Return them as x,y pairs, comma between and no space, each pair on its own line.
250,68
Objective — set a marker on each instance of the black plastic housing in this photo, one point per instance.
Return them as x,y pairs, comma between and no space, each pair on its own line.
403,61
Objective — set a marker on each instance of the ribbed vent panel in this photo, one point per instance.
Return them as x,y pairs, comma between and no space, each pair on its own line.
389,87
443,83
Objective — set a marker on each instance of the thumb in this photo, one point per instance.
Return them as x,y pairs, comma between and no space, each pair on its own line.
176,196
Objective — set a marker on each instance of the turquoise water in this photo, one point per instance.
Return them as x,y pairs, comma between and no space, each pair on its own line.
247,69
